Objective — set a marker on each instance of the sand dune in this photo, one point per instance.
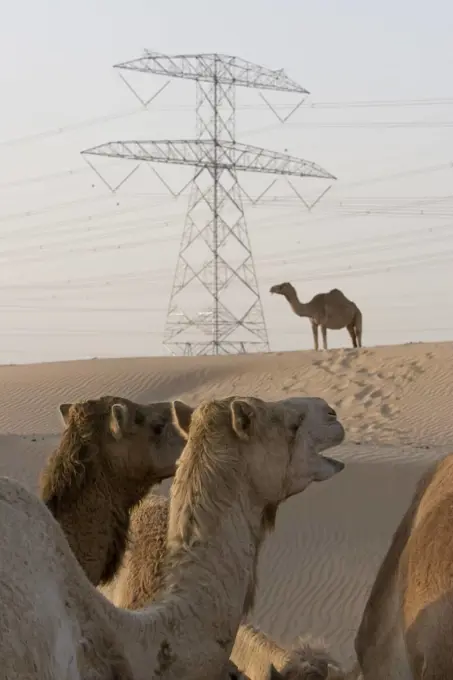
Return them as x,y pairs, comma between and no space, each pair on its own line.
395,403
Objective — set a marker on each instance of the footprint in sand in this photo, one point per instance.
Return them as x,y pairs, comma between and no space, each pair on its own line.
386,411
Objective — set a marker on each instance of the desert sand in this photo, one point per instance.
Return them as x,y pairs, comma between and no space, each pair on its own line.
317,568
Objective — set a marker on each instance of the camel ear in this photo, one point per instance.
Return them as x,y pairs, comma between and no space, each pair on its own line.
63,410
119,418
242,417
273,673
181,415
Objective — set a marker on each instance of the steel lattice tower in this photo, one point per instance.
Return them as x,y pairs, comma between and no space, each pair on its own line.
215,305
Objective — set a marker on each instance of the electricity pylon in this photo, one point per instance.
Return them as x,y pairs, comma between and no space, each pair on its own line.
215,305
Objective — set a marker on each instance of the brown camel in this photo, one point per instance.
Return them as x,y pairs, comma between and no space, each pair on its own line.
111,452
407,625
243,457
331,310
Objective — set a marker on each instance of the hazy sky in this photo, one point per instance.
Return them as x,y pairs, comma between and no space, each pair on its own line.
87,273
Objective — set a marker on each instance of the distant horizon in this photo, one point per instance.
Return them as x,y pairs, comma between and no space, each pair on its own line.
167,357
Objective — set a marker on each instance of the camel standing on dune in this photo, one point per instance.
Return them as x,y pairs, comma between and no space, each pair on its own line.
243,457
111,452
331,310
406,630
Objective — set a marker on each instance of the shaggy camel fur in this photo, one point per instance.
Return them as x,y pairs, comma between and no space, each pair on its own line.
254,653
111,452
407,625
331,310
242,459
140,578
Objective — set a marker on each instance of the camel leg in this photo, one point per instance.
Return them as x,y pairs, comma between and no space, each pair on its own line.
351,331
324,336
358,327
314,328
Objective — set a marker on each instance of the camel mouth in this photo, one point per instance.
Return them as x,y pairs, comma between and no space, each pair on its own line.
337,465
341,431
336,434
329,467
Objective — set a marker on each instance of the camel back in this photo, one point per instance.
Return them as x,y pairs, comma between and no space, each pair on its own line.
392,562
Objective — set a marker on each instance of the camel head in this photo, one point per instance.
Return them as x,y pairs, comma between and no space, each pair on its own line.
309,659
274,447
285,289
139,440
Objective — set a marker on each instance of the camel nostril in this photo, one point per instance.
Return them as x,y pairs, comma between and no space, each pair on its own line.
332,412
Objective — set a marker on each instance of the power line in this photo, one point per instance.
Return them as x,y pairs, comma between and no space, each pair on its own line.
432,259
51,247
304,331
63,204
98,120
378,124
37,306
38,179
61,247
101,234
340,205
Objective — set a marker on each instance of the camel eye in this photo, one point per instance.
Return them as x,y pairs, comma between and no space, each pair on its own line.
139,418
295,426
158,428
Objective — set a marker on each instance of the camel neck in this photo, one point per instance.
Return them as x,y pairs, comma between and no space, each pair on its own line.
209,584
224,560
95,531
296,305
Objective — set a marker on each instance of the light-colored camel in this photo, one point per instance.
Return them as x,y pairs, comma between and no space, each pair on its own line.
111,452
54,624
140,578
242,459
331,310
255,653
406,630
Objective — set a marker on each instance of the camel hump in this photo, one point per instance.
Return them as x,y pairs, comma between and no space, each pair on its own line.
336,295
319,298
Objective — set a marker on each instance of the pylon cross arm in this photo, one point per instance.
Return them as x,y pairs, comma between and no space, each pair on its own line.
204,67
201,153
